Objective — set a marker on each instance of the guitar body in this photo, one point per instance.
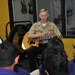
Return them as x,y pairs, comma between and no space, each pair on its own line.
26,43
23,9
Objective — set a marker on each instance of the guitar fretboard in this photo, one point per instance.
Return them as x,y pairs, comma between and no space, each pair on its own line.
45,38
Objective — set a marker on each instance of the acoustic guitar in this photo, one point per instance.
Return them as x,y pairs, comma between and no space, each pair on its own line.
26,43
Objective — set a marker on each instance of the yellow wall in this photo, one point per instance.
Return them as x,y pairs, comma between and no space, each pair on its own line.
4,17
68,44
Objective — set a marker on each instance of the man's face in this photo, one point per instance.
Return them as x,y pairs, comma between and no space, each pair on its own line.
43,16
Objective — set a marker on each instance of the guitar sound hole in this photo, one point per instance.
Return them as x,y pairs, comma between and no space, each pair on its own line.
31,42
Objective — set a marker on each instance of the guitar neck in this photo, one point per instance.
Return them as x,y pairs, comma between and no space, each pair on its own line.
45,38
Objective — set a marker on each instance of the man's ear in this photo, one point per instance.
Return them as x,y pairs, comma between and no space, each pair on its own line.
46,72
16,60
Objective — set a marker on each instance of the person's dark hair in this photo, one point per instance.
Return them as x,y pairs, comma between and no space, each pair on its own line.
55,41
54,59
8,53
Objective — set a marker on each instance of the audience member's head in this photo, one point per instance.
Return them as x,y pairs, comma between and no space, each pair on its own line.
54,58
55,41
9,55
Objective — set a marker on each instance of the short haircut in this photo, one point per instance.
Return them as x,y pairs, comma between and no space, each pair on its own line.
54,60
8,53
43,10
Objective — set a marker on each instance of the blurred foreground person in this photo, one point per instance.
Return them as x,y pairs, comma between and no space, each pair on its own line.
54,60
9,56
